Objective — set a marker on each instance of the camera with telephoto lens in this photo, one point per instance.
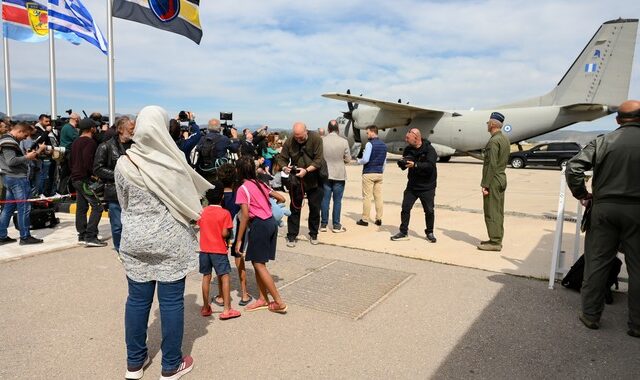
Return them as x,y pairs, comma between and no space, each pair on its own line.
402,163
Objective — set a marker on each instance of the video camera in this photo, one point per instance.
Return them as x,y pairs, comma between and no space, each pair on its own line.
226,117
184,119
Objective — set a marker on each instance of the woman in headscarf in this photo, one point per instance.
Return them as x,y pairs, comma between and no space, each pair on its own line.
160,198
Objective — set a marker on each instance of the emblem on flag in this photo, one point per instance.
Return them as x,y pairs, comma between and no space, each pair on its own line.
590,67
165,10
176,16
38,19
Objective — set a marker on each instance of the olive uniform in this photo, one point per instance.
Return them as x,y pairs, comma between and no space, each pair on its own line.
496,156
615,215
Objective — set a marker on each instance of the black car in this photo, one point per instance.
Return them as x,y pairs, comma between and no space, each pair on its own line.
551,154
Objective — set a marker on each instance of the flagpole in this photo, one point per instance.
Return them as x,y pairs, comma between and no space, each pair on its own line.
110,64
7,76
52,73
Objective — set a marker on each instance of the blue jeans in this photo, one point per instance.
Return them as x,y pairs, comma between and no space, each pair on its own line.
136,320
337,189
42,184
17,189
116,224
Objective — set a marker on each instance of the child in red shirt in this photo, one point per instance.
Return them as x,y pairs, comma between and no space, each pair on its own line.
215,224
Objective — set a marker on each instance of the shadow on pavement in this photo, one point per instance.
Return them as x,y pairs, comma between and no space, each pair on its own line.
530,332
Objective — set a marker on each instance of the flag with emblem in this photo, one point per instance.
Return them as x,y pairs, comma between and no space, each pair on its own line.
71,16
177,16
28,21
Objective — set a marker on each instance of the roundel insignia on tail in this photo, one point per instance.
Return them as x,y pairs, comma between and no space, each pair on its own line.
507,128
165,10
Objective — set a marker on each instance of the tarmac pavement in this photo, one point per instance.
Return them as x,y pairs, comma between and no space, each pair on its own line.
360,305
63,318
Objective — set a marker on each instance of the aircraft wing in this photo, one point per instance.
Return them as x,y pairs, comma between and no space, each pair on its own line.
383,104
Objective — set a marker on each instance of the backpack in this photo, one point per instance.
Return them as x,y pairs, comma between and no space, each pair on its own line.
206,151
42,215
573,278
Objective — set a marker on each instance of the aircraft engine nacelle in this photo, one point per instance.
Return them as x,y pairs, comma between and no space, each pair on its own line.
365,116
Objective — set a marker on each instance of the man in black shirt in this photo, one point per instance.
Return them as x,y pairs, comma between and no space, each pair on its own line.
420,158
83,152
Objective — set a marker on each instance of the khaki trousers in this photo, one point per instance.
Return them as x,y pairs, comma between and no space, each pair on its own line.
371,189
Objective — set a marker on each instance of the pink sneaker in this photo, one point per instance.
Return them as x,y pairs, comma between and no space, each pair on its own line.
185,367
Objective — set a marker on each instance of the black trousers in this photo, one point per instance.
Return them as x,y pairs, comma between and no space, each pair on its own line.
87,230
314,200
427,200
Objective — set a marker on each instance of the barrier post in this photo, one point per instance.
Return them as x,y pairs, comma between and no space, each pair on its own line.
557,242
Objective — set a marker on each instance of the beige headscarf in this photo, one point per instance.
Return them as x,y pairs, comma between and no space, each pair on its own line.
162,168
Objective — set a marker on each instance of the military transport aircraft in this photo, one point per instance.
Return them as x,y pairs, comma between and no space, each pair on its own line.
595,84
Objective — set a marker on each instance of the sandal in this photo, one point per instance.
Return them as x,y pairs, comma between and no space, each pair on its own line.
215,300
257,305
232,313
277,308
245,303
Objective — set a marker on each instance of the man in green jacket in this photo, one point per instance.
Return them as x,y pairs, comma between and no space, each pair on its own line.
68,134
615,214
494,183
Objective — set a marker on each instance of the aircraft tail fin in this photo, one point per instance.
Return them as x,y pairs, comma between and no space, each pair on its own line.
601,74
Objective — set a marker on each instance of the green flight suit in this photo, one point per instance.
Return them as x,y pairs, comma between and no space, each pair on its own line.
496,156
615,215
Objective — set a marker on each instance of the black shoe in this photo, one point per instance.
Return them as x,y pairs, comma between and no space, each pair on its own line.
399,236
378,222
30,240
431,237
7,240
95,243
362,223
593,325
633,333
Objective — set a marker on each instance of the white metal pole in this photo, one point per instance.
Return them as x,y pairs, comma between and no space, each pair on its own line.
52,73
7,76
112,112
578,240
557,243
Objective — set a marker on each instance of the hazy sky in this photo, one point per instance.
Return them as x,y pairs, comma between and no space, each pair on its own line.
269,61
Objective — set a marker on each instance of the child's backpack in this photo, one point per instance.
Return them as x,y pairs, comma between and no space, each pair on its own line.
573,278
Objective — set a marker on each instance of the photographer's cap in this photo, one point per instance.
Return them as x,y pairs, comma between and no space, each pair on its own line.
86,124
497,116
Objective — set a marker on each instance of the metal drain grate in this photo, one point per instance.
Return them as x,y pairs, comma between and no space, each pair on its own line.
344,288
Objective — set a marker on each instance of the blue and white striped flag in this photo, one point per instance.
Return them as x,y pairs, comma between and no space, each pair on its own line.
70,16
590,67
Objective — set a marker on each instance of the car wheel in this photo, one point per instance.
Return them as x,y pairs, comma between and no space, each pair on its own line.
517,163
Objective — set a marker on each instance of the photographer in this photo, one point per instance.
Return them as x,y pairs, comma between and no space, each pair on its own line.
14,165
213,148
83,152
185,132
104,164
44,181
420,158
301,157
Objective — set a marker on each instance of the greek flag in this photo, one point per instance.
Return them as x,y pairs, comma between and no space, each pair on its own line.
70,16
590,68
